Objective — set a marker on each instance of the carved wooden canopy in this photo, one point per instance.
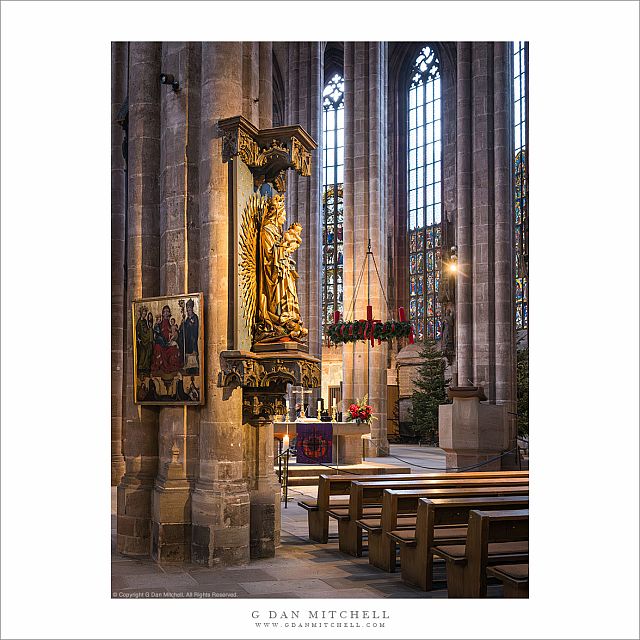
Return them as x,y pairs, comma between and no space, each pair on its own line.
268,152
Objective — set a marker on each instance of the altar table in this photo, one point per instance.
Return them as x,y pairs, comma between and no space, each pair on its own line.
347,439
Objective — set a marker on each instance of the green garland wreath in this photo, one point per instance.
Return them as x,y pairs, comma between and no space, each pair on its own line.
342,332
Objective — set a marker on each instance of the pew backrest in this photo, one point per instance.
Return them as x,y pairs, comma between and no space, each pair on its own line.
371,493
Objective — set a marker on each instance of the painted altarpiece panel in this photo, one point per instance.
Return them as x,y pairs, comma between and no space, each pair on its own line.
168,350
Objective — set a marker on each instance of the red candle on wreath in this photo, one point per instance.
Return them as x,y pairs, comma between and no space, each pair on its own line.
370,323
336,317
401,314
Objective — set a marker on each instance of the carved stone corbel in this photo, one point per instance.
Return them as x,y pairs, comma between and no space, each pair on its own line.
264,377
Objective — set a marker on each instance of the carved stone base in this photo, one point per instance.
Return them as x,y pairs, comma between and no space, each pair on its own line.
220,525
472,432
134,519
171,522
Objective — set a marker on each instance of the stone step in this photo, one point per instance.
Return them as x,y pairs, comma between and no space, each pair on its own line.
307,474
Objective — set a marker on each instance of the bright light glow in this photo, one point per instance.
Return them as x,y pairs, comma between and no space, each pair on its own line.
453,267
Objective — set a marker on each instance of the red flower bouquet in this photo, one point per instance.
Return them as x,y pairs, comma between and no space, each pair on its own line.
360,411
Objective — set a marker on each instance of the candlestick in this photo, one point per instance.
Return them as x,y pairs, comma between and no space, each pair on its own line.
319,407
334,403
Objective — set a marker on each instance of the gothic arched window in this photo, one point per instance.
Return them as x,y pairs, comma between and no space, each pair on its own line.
521,181
332,201
424,151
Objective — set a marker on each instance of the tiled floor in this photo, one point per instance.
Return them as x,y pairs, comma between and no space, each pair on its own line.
301,569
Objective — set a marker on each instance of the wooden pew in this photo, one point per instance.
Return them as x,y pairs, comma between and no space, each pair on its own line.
334,491
439,522
368,495
493,538
397,507
514,577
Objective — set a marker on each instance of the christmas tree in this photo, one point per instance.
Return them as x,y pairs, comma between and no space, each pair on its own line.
429,393
523,392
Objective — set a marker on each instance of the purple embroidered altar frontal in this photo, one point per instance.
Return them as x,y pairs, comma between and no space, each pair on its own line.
314,442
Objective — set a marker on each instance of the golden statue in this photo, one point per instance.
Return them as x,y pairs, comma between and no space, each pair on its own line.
267,271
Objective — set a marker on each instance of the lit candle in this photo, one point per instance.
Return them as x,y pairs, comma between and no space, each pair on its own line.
285,442
319,407
334,404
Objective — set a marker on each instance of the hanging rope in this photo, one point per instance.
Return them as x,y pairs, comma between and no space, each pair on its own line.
350,315
352,330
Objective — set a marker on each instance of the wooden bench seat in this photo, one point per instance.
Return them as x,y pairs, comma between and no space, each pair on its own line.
493,538
375,524
514,577
332,488
434,517
342,513
441,535
312,505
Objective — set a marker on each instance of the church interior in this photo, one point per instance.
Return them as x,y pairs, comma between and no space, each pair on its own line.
284,250
319,278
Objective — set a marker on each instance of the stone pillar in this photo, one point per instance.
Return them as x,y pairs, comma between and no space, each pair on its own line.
464,311
485,280
265,104
365,367
140,443
303,107
119,88
505,350
171,506
220,501
482,217
250,82
264,489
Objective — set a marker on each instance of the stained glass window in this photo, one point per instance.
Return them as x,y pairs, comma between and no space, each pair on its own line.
424,164
521,181
332,203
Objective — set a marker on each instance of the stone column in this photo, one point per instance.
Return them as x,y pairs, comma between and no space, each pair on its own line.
119,88
140,444
220,501
303,107
250,82
365,367
264,488
482,216
505,356
485,288
171,507
464,310
265,104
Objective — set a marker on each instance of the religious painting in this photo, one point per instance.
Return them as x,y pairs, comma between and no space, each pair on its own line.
168,350
314,443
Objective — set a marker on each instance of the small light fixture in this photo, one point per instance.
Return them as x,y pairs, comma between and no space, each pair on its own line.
167,78
453,260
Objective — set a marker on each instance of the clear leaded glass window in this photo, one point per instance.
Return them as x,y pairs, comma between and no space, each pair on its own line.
521,182
332,204
424,194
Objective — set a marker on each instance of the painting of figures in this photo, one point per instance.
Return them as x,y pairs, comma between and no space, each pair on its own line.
168,350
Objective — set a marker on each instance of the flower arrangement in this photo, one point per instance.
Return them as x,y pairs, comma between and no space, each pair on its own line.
360,411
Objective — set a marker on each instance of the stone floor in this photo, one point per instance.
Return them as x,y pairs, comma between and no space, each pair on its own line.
301,569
